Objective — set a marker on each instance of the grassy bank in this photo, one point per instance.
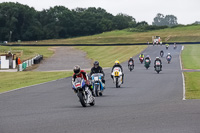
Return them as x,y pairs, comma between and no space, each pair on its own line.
192,80
190,57
178,34
108,54
28,52
10,81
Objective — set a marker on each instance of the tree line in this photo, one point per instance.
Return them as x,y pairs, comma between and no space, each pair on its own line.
21,22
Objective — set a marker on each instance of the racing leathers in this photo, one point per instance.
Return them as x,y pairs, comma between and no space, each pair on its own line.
118,65
160,63
83,75
98,70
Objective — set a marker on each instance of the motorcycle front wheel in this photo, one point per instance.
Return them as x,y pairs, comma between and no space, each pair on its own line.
82,99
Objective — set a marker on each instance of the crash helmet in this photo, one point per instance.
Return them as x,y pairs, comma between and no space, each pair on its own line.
96,64
148,56
117,62
157,58
131,57
77,69
168,54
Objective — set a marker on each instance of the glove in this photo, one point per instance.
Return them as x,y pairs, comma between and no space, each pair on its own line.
87,82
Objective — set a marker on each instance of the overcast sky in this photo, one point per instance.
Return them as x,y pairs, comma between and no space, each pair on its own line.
187,11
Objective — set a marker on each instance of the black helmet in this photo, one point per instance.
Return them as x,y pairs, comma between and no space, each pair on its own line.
77,69
96,64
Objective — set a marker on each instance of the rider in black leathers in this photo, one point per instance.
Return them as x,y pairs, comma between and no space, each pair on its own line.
97,69
158,59
131,59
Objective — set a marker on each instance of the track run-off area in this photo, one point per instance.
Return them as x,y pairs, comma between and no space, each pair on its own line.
147,102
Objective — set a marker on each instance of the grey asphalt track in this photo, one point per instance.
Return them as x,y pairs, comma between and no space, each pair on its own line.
146,103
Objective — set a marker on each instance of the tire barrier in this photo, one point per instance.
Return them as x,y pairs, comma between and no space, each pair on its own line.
36,60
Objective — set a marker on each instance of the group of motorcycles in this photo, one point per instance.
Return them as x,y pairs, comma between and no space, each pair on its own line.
85,95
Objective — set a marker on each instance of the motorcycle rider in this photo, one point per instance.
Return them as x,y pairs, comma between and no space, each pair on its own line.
97,69
148,57
167,45
168,55
131,59
158,59
174,45
161,52
117,64
141,55
78,73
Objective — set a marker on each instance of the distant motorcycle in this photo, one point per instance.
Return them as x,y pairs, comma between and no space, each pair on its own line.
83,92
130,65
167,47
141,59
158,67
97,84
175,47
117,76
147,63
161,54
169,59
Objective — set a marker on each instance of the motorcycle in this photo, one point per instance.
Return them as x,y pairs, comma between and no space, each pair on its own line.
117,76
141,59
97,84
161,54
147,63
158,67
167,47
83,92
168,59
130,65
175,47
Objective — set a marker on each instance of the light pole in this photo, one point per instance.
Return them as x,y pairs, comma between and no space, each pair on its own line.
10,36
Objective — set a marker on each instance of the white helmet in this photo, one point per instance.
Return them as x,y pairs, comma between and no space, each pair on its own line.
157,57
168,54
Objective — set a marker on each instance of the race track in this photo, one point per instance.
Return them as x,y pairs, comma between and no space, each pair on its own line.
146,103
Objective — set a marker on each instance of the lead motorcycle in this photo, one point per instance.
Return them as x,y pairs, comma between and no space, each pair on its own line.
83,92
130,65
117,76
158,67
97,84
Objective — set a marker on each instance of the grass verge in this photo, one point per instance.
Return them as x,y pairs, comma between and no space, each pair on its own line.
192,80
13,80
190,59
106,55
178,34
190,56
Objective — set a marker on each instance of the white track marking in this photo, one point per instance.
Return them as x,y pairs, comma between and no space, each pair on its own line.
183,78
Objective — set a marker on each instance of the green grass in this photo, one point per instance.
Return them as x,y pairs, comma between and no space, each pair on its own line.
29,52
190,57
178,34
192,85
107,55
10,81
